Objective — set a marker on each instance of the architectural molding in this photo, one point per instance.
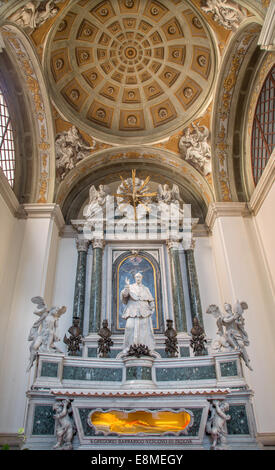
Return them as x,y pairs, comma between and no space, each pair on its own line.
8,194
266,438
264,186
45,211
267,37
225,209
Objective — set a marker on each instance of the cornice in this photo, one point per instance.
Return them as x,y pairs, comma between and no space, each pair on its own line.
225,209
45,211
8,194
264,186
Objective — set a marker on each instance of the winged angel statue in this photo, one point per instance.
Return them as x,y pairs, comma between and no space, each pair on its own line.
170,200
43,334
97,199
231,329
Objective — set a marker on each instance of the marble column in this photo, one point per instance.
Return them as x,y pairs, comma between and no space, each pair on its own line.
96,287
193,284
177,287
80,280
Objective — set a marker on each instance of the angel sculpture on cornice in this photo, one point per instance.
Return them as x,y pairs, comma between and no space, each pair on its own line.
43,334
70,148
33,14
169,200
224,13
231,329
194,148
97,200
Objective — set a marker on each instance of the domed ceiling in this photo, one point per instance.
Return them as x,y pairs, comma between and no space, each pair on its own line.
131,69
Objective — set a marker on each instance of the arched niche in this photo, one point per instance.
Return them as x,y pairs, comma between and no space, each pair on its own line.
107,166
128,264
30,109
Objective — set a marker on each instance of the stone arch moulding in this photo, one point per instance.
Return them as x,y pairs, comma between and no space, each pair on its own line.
233,69
42,190
124,158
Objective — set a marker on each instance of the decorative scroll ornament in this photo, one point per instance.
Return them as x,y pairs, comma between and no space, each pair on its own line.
231,329
223,13
198,340
43,334
34,14
65,427
138,350
75,338
171,341
194,148
216,424
70,148
104,342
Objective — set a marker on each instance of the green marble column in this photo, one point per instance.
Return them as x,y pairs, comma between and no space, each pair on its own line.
96,287
80,281
177,287
193,285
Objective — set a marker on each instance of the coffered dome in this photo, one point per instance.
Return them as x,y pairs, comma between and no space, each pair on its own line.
131,69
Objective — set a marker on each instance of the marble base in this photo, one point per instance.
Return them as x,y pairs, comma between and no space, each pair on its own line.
138,372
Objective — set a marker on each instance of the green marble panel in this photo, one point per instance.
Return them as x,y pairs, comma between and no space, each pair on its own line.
49,369
138,373
238,424
95,299
193,286
197,415
80,282
184,351
185,373
98,374
161,352
92,352
43,421
229,369
177,291
83,414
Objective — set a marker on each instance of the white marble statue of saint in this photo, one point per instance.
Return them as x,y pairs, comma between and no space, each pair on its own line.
140,306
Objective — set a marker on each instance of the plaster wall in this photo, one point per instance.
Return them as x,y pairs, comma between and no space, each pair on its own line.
31,273
64,284
208,281
242,276
11,236
265,227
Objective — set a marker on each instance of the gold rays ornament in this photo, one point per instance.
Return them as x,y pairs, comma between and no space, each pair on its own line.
135,193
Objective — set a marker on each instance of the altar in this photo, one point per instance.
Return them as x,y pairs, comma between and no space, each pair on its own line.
139,372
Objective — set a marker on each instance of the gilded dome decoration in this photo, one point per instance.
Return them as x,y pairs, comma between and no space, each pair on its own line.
136,69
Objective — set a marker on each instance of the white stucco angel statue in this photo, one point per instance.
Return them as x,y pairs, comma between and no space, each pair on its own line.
33,14
43,334
216,424
169,200
224,12
70,148
231,329
97,199
65,427
195,148
140,306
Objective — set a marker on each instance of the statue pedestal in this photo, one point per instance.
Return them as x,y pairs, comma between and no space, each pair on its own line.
138,372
